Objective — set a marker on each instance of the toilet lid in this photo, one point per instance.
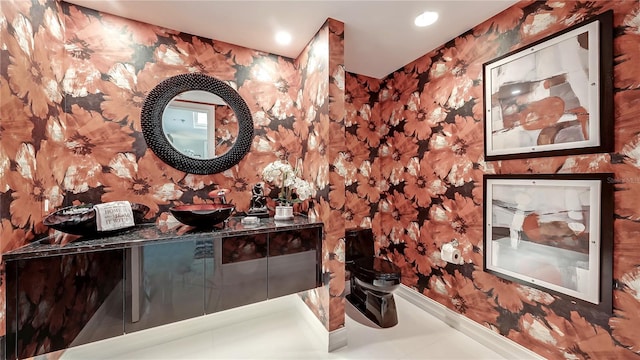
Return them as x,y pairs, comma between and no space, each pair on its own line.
377,268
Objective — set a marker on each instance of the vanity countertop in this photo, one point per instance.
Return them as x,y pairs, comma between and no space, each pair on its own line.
152,233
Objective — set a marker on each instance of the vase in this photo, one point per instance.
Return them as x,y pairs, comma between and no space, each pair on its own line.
284,212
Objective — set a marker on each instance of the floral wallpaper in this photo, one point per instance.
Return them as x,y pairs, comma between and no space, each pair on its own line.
226,128
73,81
359,163
419,180
323,58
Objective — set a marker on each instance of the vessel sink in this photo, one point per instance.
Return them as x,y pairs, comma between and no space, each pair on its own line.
202,215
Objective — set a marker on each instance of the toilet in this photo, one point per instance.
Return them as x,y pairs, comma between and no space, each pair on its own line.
373,279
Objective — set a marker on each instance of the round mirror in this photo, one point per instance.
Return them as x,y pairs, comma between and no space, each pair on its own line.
200,124
197,124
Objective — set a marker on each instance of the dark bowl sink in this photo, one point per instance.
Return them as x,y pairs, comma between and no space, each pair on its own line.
81,219
202,215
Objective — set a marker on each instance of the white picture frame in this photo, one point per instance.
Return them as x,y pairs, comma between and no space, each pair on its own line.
553,97
551,232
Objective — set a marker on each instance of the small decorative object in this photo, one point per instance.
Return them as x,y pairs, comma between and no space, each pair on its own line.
258,206
553,232
283,212
114,215
292,188
81,219
250,220
554,96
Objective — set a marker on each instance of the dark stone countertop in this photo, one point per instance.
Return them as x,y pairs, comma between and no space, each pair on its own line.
151,233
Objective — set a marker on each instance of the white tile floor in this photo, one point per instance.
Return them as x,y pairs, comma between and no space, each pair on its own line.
282,333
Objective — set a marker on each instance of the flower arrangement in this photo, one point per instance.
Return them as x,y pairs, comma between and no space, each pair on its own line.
292,188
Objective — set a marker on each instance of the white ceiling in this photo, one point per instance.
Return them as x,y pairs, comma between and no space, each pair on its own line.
380,36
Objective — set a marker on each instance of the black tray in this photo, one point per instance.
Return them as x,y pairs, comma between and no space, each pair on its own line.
81,219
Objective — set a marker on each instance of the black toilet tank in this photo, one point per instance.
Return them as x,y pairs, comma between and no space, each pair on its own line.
359,243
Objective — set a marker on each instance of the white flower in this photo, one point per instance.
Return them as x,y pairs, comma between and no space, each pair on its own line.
290,181
277,172
281,174
303,189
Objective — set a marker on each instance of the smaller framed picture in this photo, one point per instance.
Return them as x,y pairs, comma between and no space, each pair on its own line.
553,97
552,232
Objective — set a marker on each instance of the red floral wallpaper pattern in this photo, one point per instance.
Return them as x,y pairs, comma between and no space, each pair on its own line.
226,128
423,126
73,81
322,143
334,137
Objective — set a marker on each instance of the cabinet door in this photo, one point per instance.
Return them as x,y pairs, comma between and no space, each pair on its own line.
238,274
64,301
164,284
293,261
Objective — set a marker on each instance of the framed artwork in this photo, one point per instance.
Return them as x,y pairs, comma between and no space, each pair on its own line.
552,232
553,97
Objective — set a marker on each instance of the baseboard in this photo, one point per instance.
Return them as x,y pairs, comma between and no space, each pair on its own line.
337,339
492,340
329,340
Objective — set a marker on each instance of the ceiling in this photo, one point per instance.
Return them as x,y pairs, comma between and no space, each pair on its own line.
380,36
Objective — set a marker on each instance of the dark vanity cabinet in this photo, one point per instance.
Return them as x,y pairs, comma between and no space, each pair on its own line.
164,283
294,261
61,301
252,268
239,276
60,296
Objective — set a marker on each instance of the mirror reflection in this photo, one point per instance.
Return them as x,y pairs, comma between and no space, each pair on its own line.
199,124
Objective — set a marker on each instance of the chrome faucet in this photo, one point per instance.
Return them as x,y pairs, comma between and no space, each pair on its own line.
219,194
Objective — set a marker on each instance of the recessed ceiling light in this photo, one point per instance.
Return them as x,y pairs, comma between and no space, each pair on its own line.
426,18
283,38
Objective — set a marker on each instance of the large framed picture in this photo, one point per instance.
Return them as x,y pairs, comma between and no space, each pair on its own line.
553,97
552,232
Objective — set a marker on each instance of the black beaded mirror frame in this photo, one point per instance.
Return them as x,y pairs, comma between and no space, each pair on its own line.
151,119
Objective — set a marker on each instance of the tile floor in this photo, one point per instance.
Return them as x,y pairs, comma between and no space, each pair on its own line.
282,333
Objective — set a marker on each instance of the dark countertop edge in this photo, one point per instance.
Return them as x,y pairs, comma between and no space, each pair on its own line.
132,237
